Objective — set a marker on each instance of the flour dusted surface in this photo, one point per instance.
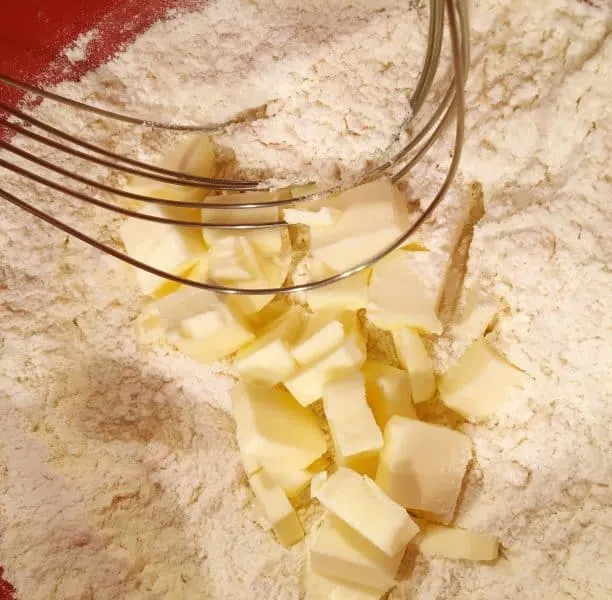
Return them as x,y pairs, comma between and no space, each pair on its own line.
118,472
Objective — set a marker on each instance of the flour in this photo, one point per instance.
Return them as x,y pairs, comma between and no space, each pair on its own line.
77,51
119,477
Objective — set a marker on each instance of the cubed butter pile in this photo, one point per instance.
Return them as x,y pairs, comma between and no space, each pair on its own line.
382,463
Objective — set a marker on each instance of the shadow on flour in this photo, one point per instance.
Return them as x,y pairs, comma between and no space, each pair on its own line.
130,429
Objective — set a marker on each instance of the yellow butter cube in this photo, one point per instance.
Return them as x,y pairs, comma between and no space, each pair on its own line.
362,505
421,465
479,383
357,438
275,429
414,358
277,509
388,392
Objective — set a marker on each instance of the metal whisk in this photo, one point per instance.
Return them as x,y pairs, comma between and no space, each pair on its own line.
396,166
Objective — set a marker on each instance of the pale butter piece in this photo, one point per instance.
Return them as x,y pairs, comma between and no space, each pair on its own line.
323,216
293,483
194,155
388,391
350,293
362,505
321,336
478,384
455,543
421,465
413,357
356,436
307,384
274,270
320,587
169,248
317,481
277,509
267,360
232,259
215,346
342,553
398,297
202,325
266,241
373,216
184,303
275,429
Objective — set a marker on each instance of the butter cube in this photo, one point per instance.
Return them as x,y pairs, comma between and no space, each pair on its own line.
268,361
194,155
266,241
232,259
274,271
218,344
479,383
202,325
317,481
399,298
184,303
422,465
293,483
307,385
414,358
357,438
348,294
362,505
342,553
373,216
388,392
277,509
321,336
275,429
454,543
323,216
168,248
319,587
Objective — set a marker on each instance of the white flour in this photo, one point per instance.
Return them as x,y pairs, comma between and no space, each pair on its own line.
118,472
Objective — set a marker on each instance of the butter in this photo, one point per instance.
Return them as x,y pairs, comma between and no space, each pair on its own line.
356,436
275,429
266,241
268,360
454,543
421,465
398,297
307,384
479,383
323,216
321,336
350,293
388,391
373,216
277,509
216,344
169,248
357,501
342,553
320,587
202,325
413,357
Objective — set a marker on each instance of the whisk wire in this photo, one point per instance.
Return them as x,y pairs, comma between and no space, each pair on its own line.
452,104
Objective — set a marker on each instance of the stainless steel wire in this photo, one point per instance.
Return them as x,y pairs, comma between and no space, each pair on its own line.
397,166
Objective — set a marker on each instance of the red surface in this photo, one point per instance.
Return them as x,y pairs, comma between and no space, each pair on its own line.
33,34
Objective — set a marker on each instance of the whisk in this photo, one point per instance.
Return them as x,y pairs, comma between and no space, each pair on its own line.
396,166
